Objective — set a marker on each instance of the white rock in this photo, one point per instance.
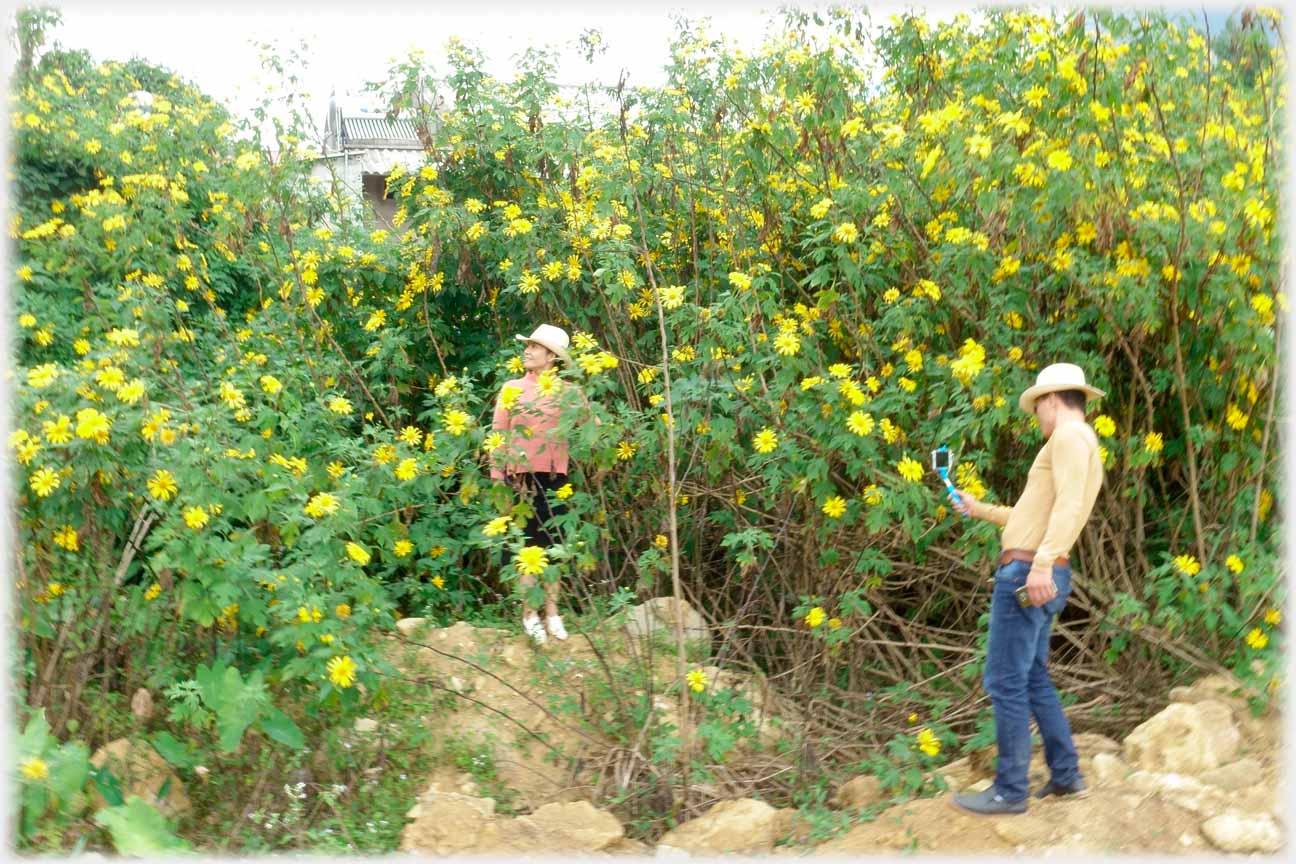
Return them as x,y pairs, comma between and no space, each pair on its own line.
1185,739
366,725
1108,769
1236,775
1236,832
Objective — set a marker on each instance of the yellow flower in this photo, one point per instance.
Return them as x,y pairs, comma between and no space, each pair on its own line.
765,441
815,616
1152,442
270,384
92,425
162,485
697,680
846,232
860,422
339,405
910,469
343,610
403,548
672,296
787,344
872,495
357,553
153,591
44,481
1234,564
739,280
438,581
661,541
531,560
834,507
626,451
1187,564
928,742
978,145
67,538
564,492
341,671
1257,639
496,526
196,517
456,422
34,769
1104,425
407,469
1059,160
58,431
1273,617
834,623
321,504
839,370
1236,419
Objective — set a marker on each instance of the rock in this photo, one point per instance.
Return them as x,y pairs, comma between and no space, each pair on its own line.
745,826
446,823
1181,790
957,774
574,827
1241,774
1235,832
629,846
1184,738
140,771
409,626
142,704
366,725
1107,769
1092,742
859,792
658,615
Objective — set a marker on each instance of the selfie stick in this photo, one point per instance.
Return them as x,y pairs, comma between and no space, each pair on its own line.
943,471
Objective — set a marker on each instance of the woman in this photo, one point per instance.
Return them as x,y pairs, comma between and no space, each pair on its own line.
533,458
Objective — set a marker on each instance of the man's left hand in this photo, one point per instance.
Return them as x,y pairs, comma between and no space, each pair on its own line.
1039,585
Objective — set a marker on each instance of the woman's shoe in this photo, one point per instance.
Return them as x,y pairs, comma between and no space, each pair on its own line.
533,628
555,626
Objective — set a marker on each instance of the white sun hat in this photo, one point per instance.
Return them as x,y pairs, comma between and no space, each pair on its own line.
1055,377
551,337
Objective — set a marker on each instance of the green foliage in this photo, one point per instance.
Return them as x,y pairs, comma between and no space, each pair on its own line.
253,428
138,829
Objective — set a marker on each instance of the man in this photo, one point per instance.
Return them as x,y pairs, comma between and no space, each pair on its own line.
1038,532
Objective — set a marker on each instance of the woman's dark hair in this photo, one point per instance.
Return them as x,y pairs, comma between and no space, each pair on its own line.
1071,398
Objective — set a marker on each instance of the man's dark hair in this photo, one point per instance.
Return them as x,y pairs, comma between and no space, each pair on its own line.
1071,398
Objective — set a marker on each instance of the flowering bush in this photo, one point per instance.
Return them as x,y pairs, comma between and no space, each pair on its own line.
251,428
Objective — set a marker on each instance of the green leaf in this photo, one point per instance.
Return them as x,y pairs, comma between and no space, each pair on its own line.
138,829
172,750
281,728
108,785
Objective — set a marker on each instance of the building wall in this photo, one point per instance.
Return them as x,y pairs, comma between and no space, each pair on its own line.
351,171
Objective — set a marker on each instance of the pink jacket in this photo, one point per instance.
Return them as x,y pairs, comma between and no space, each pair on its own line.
532,441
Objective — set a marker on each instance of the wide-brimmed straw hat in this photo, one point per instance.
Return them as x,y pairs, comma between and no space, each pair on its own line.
1055,377
551,337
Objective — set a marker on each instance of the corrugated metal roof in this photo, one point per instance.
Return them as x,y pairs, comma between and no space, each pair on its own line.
392,133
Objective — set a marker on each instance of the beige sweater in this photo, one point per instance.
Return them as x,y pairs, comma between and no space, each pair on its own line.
1060,492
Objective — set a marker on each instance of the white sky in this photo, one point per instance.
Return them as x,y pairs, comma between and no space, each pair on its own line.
354,43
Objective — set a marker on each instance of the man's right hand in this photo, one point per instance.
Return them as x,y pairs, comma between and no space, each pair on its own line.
966,502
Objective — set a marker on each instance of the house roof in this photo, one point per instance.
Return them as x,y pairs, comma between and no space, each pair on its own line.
371,131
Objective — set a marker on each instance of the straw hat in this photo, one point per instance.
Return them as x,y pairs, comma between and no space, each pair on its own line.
551,337
1055,377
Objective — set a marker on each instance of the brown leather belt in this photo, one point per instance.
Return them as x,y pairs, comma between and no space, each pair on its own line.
1027,555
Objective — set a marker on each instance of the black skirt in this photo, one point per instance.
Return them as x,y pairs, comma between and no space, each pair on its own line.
537,484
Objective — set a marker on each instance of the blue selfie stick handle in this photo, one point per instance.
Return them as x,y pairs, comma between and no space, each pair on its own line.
953,495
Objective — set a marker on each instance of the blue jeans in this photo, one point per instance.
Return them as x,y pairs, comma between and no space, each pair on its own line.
1017,681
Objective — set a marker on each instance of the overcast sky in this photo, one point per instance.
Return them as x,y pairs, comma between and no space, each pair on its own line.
354,43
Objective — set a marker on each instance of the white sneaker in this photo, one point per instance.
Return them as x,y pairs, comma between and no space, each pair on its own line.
533,628
555,626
